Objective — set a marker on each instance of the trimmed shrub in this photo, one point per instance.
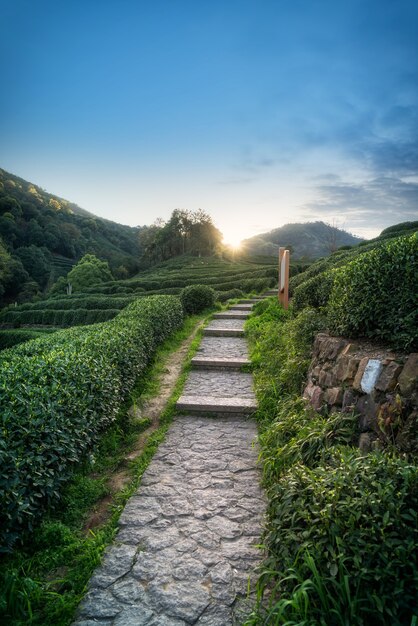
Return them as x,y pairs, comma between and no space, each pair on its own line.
223,296
58,393
375,295
196,298
314,292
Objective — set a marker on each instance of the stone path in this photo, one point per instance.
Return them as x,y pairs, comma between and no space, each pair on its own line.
186,546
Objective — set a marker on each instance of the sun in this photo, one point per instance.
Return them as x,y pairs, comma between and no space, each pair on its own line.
233,241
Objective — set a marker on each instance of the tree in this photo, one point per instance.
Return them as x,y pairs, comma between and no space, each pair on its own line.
89,271
36,261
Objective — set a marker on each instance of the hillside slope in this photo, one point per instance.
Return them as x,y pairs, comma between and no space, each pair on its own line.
42,235
311,240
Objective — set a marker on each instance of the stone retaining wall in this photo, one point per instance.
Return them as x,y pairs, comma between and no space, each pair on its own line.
379,385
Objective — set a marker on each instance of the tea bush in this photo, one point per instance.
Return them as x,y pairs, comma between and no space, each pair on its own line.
58,393
10,338
196,298
375,295
314,292
350,528
223,296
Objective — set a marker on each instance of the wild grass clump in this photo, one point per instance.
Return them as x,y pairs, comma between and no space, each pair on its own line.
341,530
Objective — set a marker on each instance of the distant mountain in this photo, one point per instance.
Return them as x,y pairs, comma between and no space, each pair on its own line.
310,240
42,236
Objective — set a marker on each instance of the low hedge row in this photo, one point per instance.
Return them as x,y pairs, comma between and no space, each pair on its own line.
375,295
76,302
71,317
58,393
223,296
10,338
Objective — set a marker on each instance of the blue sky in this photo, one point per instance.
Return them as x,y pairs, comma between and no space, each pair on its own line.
261,113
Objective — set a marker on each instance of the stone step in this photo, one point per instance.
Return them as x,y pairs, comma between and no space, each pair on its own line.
223,332
211,404
251,301
271,292
235,315
219,361
241,307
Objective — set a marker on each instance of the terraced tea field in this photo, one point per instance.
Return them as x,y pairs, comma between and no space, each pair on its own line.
103,302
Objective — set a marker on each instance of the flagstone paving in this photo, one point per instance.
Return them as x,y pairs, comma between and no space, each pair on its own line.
186,546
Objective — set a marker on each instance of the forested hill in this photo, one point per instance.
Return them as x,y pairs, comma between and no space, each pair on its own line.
42,235
311,240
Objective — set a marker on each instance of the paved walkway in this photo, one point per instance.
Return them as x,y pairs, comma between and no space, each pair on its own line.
185,550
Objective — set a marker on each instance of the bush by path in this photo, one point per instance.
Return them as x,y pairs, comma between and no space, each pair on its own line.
59,392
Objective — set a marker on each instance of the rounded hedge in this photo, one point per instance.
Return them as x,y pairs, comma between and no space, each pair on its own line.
375,295
196,298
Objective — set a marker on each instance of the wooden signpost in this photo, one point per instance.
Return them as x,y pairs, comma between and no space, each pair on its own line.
284,262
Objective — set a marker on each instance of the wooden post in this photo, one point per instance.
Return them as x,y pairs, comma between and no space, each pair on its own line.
281,253
284,262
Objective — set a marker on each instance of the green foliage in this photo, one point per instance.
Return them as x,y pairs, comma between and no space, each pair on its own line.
59,392
281,348
10,338
349,528
185,232
89,271
196,298
36,261
398,229
341,527
314,292
375,295
223,296
31,219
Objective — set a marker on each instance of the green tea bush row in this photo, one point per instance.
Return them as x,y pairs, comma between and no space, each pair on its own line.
223,296
76,302
61,317
375,295
58,393
10,338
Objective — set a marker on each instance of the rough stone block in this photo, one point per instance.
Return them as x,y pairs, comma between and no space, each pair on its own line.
360,372
334,396
371,374
315,373
346,368
367,409
408,379
332,347
389,377
325,378
349,401
317,398
309,389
